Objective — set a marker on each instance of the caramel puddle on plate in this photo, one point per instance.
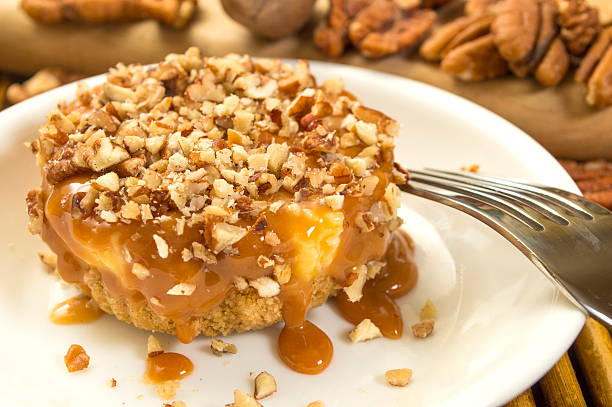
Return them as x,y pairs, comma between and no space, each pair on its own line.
396,279
76,310
167,366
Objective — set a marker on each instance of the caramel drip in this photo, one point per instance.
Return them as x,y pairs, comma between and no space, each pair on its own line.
305,348
400,274
301,344
167,366
397,278
75,310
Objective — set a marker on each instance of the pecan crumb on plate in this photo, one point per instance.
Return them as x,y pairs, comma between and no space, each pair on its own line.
76,358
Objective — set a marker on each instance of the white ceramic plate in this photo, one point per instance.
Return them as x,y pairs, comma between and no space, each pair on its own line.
501,324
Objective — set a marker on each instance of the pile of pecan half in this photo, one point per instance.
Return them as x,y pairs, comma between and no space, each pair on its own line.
375,27
527,37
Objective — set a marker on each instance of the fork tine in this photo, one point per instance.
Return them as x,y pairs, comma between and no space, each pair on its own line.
571,204
526,202
485,199
508,226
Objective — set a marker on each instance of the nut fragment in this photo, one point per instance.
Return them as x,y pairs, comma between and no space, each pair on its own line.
154,348
364,331
398,377
423,329
107,182
140,271
428,311
226,235
242,399
282,273
265,385
317,403
182,289
162,246
76,358
357,279
219,347
167,390
49,259
265,286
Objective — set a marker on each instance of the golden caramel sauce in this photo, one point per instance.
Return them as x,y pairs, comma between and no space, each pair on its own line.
305,348
397,278
302,346
76,310
112,249
315,240
167,366
400,274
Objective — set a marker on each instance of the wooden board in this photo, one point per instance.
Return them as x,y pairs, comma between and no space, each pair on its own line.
557,117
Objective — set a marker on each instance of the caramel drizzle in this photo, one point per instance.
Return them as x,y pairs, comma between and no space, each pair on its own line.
84,243
396,279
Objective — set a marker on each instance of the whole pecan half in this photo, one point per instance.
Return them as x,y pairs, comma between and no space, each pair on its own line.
579,25
475,60
516,28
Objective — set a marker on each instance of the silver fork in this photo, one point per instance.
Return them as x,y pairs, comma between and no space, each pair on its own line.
568,237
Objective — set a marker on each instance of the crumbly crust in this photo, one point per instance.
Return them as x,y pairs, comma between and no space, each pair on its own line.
240,311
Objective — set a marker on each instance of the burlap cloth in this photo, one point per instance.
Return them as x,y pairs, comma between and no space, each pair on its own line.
557,117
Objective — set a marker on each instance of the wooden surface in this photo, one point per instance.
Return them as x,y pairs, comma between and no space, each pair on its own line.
560,387
557,117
